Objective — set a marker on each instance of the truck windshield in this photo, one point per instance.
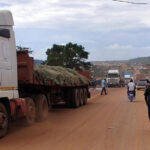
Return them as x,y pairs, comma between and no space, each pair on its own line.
113,75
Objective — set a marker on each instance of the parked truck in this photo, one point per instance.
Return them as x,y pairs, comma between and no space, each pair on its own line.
127,77
26,91
114,78
139,76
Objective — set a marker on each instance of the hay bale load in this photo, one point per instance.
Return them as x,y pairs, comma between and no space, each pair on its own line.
61,76
50,85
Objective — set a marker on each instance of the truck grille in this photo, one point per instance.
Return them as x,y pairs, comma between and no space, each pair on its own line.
112,81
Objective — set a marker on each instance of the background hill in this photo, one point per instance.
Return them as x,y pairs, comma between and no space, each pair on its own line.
37,61
141,60
135,66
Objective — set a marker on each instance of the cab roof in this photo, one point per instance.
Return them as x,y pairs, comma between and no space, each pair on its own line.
6,18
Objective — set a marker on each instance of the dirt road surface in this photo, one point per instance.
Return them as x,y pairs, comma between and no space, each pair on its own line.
108,122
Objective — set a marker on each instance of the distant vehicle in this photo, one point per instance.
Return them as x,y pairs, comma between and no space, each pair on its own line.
139,77
127,77
114,79
141,84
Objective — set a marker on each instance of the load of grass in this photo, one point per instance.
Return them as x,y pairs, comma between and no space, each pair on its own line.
59,75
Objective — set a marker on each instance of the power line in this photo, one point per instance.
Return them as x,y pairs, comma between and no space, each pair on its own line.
122,1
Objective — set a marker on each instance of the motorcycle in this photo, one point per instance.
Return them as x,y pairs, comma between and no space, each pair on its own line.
131,95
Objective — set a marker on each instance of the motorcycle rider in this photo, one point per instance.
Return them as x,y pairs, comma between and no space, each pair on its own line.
131,88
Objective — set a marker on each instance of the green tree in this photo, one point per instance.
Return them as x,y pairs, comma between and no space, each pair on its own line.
69,55
55,55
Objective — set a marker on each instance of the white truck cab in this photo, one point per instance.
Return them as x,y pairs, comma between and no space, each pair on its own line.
9,97
113,78
8,61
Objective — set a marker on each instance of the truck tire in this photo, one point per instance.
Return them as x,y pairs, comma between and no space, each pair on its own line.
3,120
41,107
85,96
81,97
76,98
31,112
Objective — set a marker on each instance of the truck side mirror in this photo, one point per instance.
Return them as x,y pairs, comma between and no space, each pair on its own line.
5,33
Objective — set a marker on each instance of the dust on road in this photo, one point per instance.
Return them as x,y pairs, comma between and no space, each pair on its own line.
108,122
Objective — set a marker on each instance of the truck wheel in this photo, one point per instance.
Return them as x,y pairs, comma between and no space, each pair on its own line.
76,98
30,109
3,120
41,107
81,97
85,96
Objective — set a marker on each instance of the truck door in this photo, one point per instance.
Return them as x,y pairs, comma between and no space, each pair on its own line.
5,64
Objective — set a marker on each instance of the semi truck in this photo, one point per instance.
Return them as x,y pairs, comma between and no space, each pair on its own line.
22,93
114,78
127,77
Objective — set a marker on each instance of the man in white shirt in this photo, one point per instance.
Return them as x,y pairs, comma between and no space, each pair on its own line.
131,87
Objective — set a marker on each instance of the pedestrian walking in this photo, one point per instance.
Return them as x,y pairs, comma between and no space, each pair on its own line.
147,97
103,85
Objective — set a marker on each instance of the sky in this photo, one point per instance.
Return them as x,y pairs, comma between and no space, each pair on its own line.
108,30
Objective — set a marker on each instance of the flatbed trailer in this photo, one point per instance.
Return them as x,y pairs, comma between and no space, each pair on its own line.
30,87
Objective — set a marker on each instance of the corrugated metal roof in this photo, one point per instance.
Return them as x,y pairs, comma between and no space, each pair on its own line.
6,18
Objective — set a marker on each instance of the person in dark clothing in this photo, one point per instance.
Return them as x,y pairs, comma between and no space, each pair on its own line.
147,98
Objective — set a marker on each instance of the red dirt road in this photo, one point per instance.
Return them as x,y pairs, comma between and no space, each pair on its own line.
108,122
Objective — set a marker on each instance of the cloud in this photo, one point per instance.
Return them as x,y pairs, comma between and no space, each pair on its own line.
101,45
120,52
117,46
90,14
107,29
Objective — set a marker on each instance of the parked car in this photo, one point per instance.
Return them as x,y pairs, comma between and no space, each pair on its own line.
141,84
